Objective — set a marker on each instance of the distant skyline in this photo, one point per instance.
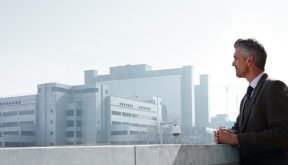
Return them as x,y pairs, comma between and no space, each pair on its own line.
55,41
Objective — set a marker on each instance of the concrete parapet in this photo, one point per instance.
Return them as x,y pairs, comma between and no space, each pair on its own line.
80,155
122,155
187,155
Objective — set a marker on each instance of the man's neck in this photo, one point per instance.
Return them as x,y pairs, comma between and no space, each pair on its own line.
253,75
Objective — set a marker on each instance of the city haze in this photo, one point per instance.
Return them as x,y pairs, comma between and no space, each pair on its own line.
55,41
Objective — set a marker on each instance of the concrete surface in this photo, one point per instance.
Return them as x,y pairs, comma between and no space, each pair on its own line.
122,155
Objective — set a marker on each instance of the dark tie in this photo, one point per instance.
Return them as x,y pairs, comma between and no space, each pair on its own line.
248,95
249,92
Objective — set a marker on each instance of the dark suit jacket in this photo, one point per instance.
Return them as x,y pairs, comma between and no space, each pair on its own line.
262,125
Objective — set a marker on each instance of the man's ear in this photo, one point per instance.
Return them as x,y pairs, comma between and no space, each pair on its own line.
250,60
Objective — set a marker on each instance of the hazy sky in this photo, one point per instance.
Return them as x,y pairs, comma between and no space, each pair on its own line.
56,40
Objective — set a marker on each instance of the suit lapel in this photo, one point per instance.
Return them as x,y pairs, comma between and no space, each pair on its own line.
249,103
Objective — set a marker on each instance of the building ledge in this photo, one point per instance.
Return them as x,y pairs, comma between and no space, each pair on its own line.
122,155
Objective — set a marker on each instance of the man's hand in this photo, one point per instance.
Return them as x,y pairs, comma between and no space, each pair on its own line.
226,136
216,137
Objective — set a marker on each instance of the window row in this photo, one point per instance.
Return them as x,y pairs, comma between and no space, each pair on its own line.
125,114
11,133
15,124
71,134
15,113
126,105
18,144
130,124
144,108
71,112
71,123
10,103
87,90
131,106
126,132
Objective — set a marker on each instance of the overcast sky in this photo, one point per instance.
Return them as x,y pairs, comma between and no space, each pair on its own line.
56,40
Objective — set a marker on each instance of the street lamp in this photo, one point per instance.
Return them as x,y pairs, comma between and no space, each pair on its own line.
176,131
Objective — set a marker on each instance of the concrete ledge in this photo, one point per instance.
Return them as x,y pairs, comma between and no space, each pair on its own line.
122,155
187,155
86,155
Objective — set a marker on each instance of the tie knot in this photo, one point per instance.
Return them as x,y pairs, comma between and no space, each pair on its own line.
249,91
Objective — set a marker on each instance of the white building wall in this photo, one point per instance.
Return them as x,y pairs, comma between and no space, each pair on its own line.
52,101
17,121
166,87
131,119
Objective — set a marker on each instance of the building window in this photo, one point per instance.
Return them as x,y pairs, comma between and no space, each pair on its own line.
134,115
70,123
28,133
119,132
87,90
116,113
12,113
12,144
11,133
70,112
25,122
51,133
116,123
9,124
136,125
26,112
126,114
70,134
106,92
134,132
51,121
78,123
124,123
27,144
51,110
69,143
78,134
78,112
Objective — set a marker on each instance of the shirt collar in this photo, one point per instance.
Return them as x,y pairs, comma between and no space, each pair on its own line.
256,80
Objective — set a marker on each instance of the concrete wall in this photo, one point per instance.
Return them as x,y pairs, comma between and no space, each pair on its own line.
122,155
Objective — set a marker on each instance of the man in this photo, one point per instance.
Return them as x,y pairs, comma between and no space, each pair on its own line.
261,128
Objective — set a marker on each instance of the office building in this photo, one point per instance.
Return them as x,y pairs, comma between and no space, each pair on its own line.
174,86
87,114
133,121
71,114
202,102
17,121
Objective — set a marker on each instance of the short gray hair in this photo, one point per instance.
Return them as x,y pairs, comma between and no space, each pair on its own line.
256,49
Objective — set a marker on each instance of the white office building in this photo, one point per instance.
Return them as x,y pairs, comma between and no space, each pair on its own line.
133,121
125,107
17,121
87,114
174,86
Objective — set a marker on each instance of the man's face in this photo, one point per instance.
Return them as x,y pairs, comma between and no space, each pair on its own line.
240,62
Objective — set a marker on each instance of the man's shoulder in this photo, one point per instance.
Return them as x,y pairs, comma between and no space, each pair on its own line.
274,84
